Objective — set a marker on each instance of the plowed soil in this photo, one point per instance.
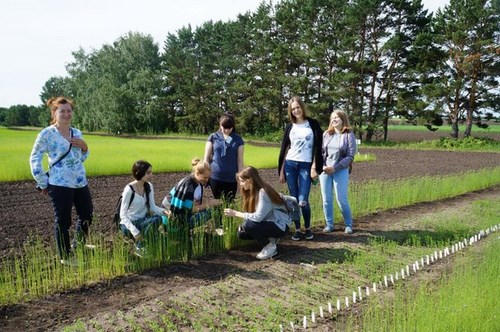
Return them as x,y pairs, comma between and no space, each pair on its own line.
25,212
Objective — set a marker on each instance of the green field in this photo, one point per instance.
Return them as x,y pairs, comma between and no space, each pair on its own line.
111,155
115,155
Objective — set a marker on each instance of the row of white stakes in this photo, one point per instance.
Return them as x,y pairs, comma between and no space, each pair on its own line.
392,278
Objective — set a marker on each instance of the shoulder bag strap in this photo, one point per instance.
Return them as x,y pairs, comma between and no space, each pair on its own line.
65,154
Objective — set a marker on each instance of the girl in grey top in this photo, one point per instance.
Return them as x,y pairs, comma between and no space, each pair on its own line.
264,212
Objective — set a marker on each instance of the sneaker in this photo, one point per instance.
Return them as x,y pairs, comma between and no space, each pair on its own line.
297,236
268,251
328,229
70,261
348,230
308,235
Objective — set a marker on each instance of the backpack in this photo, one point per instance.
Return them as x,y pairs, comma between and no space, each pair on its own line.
292,207
116,215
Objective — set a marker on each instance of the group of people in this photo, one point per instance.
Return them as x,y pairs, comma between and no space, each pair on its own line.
307,154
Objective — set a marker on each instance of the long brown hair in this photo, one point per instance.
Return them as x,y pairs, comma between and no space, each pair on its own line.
250,196
302,106
54,103
346,127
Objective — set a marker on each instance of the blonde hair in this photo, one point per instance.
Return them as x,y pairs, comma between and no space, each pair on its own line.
54,103
346,127
200,166
250,195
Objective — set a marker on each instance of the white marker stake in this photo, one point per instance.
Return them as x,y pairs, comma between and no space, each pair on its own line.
402,273
330,308
367,291
281,328
397,276
338,304
375,287
292,326
422,261
360,294
432,258
392,279
435,255
427,259
321,311
313,317
440,254
385,281
346,302
408,270
353,297
417,265
304,323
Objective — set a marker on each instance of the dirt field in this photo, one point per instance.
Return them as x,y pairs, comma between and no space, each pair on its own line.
23,211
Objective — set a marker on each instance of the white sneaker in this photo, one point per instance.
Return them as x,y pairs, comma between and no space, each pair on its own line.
71,261
268,251
348,230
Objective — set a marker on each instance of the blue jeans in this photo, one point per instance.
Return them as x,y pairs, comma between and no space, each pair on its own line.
298,179
338,183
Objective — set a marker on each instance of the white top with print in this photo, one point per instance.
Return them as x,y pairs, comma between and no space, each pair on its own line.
301,143
69,172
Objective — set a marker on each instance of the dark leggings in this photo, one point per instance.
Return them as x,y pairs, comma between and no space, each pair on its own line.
63,199
261,231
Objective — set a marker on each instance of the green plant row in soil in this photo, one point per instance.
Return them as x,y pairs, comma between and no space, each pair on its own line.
38,272
293,286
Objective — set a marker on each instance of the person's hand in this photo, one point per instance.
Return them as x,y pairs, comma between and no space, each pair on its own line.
229,213
328,169
168,213
314,174
282,178
79,143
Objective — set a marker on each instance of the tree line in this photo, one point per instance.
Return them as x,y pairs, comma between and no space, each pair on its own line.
376,59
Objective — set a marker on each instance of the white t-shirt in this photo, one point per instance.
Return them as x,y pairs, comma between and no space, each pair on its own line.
301,143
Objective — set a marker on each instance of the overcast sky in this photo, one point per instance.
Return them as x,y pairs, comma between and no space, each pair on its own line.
37,37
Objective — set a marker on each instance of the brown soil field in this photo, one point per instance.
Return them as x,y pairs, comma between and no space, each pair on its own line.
24,212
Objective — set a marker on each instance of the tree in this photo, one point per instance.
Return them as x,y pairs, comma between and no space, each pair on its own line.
467,75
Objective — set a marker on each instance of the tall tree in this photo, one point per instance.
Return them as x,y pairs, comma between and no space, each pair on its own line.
467,75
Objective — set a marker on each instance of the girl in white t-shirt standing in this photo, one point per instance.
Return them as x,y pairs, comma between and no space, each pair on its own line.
300,160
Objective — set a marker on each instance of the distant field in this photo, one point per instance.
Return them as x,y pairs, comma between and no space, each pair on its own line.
115,155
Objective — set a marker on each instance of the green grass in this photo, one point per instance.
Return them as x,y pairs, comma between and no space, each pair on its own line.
38,272
115,155
465,299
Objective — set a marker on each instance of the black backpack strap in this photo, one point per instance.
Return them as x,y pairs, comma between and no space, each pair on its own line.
147,190
131,196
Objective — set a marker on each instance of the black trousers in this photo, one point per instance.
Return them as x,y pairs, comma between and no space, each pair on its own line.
261,231
63,199
226,190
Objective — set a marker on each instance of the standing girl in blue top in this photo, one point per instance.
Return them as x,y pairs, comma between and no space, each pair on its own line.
300,160
66,181
339,148
224,153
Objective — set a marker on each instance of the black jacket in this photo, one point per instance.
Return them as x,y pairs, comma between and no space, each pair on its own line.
318,142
